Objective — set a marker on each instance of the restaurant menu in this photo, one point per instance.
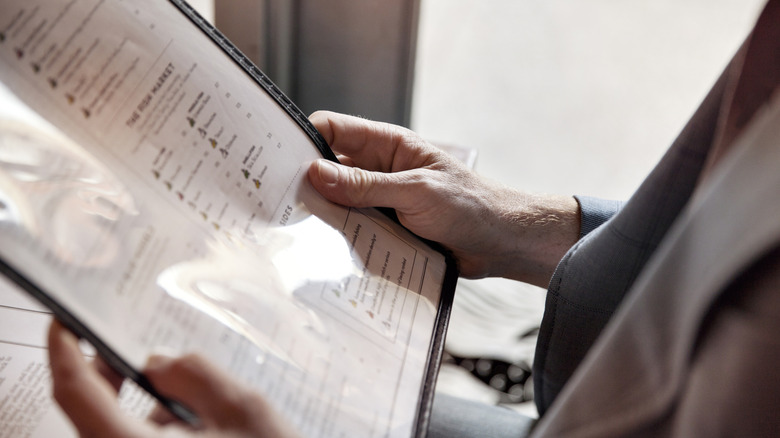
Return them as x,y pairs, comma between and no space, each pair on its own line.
153,193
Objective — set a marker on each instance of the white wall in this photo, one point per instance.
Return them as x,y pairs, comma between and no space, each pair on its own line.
569,96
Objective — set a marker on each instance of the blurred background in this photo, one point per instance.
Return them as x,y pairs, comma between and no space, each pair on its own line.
556,96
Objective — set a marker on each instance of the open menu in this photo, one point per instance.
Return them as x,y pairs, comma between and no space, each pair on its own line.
153,194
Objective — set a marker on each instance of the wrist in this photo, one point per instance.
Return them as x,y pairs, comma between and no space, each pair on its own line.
538,229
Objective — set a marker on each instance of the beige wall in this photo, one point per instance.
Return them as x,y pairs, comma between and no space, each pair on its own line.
204,7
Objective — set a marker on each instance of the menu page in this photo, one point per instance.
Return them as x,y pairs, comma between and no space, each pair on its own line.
153,189
26,406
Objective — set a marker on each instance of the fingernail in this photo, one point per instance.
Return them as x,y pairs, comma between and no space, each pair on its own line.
329,173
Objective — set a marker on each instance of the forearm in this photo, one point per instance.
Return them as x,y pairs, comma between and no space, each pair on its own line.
531,234
490,229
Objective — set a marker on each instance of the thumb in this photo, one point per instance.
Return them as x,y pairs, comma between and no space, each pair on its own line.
355,187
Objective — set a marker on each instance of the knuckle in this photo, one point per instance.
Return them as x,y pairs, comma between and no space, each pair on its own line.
361,183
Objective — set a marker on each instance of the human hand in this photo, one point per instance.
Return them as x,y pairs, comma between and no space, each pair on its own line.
491,230
87,394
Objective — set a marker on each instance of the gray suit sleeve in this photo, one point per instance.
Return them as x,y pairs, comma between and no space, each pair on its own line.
595,211
592,279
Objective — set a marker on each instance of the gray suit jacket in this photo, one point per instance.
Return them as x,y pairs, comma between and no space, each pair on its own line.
666,319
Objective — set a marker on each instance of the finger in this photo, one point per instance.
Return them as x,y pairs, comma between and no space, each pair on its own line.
162,416
80,390
345,160
321,121
370,145
349,130
112,377
212,394
217,399
354,187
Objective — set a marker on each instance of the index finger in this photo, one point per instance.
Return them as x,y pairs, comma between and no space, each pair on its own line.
367,144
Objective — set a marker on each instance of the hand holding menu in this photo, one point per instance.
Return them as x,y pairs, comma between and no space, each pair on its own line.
153,194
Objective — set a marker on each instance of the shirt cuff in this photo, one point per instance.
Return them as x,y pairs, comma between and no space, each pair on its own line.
595,211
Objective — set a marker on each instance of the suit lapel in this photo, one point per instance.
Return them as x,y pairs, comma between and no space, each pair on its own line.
636,370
